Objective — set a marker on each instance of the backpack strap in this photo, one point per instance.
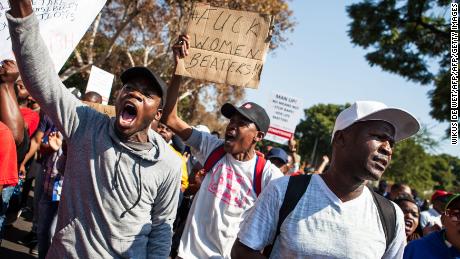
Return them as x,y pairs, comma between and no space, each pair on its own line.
258,170
213,158
296,188
387,214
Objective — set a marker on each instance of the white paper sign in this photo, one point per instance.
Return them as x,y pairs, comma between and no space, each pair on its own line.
100,81
285,112
62,25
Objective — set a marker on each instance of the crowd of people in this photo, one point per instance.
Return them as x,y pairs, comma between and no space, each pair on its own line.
146,184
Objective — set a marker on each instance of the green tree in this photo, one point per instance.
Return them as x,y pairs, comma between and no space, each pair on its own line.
410,164
445,171
413,164
442,171
314,132
407,38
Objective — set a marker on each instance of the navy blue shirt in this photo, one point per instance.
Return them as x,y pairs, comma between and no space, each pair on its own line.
432,246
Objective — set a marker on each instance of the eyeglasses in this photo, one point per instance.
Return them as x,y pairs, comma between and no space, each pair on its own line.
451,213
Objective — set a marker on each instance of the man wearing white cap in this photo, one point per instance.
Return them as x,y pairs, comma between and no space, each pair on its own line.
335,215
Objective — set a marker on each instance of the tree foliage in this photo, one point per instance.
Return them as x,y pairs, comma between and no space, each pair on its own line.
141,33
410,164
317,128
408,37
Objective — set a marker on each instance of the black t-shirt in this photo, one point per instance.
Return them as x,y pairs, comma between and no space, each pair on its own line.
23,148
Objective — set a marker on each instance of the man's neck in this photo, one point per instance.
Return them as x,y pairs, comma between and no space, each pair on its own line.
140,137
343,186
245,156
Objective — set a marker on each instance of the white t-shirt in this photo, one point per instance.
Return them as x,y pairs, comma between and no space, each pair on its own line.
430,217
321,225
225,197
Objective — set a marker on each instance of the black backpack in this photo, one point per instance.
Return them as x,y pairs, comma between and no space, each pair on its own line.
298,185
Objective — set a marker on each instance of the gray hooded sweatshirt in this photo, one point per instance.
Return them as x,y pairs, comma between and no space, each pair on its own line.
116,202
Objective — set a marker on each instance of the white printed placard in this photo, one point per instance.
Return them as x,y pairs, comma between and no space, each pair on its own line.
284,112
100,81
62,25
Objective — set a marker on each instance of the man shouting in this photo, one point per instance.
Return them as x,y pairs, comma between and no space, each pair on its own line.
122,180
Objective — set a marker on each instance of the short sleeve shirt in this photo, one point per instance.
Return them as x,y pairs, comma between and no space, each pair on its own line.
321,225
225,198
32,119
8,157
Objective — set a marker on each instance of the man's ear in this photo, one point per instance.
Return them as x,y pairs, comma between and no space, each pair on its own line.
259,136
339,139
443,218
158,114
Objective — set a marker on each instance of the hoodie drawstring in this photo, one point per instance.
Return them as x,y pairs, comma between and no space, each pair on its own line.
139,192
115,177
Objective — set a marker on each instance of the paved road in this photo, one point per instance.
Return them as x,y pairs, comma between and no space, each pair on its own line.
10,247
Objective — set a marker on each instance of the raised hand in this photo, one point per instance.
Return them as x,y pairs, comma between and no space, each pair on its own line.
292,144
55,141
21,8
9,72
180,48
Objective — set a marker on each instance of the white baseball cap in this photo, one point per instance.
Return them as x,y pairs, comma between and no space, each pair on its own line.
404,123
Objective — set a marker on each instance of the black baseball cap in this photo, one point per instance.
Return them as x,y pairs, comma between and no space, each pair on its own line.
137,72
251,111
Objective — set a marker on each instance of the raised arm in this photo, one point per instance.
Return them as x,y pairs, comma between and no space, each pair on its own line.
170,117
37,69
34,145
322,166
10,114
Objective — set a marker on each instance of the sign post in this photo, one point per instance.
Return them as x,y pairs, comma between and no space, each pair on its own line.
285,112
226,46
100,81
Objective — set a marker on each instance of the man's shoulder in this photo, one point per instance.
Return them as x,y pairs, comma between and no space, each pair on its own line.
425,213
169,155
430,242
428,213
279,186
272,169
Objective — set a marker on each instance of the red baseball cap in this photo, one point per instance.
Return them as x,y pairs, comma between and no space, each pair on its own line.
439,194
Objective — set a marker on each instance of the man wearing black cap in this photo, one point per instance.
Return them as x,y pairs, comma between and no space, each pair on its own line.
122,181
230,187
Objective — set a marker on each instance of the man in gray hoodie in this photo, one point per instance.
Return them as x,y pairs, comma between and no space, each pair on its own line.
122,180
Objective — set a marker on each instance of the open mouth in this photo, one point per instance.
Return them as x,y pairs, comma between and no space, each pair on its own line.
128,115
229,137
408,224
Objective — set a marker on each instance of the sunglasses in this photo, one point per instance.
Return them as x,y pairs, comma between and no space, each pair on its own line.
451,213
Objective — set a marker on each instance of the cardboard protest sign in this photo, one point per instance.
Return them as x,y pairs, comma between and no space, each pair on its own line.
109,110
62,25
285,112
226,46
100,81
